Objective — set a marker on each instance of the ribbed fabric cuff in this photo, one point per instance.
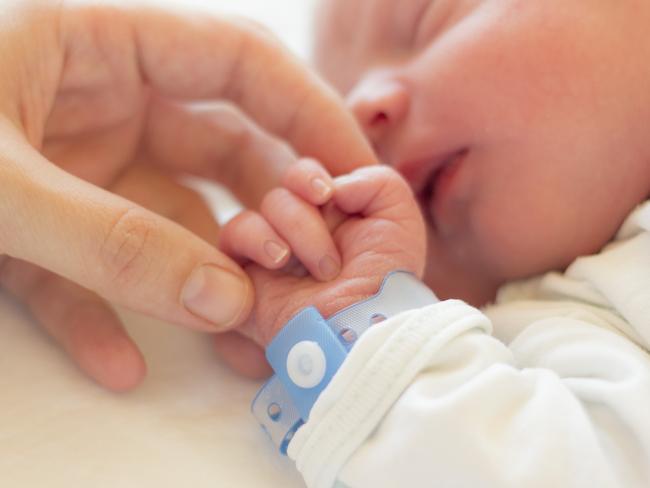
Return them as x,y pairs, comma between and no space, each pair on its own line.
384,362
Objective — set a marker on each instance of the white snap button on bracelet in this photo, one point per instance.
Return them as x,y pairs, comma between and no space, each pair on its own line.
306,364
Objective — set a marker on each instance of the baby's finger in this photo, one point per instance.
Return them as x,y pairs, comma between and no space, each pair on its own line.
303,227
250,236
376,191
309,180
333,216
85,327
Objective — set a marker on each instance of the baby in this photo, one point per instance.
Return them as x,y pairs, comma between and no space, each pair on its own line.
521,129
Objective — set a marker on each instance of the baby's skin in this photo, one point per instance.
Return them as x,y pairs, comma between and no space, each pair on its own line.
522,125
367,222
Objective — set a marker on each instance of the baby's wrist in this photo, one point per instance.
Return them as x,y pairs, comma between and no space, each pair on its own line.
309,350
343,294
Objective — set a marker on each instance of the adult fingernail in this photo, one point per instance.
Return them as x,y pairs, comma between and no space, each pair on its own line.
329,268
323,190
275,251
215,294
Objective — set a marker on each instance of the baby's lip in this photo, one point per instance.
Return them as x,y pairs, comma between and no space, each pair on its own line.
419,172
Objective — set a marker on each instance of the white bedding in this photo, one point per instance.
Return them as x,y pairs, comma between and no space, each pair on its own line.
188,425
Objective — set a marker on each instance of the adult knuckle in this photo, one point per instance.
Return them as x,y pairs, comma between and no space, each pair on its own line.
251,39
124,253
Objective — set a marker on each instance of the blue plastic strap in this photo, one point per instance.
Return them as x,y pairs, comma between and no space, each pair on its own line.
307,326
309,350
277,414
400,291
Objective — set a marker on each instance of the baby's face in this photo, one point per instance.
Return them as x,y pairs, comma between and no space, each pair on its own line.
522,125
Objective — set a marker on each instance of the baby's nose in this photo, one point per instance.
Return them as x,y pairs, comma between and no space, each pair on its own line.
380,105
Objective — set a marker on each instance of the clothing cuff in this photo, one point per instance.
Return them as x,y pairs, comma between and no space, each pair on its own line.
383,363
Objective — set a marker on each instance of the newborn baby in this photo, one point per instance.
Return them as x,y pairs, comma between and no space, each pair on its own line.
520,127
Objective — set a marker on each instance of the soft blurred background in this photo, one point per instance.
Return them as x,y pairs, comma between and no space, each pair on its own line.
188,425
289,19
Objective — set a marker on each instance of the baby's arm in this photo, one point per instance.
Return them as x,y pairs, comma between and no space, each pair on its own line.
430,398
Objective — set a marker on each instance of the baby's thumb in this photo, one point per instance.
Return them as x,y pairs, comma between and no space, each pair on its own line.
125,253
380,192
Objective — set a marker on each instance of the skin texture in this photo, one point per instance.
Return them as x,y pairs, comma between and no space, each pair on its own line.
548,100
96,128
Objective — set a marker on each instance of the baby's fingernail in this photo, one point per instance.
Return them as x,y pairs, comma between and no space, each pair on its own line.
321,187
277,252
329,268
215,294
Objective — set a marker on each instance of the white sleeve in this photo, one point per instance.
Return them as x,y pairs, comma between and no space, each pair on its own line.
430,398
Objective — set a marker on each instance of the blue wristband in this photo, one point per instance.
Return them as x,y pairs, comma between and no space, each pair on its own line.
309,350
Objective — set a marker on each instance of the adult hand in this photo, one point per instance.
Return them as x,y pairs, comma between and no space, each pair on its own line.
88,88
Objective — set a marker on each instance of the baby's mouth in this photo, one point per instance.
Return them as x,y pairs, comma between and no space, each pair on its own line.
435,184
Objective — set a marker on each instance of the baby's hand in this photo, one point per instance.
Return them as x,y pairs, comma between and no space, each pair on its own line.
352,231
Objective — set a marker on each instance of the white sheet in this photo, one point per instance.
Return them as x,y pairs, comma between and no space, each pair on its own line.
188,425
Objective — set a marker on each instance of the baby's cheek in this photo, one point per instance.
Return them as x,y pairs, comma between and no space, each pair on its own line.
518,234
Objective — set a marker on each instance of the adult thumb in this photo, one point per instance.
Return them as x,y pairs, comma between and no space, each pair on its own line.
125,253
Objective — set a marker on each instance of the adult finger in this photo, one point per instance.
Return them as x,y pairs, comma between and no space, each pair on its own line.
80,322
216,141
242,355
159,192
112,246
203,57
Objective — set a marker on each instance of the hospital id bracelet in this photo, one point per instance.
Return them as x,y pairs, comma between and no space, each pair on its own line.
309,350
